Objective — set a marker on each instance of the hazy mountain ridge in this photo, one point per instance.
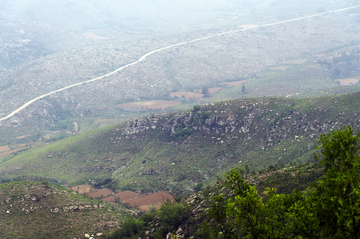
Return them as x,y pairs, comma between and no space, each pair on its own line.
23,40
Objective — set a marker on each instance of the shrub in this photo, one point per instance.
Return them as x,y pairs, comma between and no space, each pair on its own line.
130,229
171,216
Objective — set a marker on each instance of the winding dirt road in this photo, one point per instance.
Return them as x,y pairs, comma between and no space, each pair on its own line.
162,49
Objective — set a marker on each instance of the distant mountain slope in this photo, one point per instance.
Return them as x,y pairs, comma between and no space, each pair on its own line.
24,40
176,151
34,210
252,55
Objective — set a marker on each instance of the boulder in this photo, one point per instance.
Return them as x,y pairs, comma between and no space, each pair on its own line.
55,210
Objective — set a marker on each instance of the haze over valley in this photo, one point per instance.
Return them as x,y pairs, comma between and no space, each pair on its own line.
150,96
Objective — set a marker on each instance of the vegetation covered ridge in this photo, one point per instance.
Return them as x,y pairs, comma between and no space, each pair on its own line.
177,151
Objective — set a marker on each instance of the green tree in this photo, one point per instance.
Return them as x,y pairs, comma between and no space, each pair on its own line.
205,91
243,89
329,208
130,229
247,214
171,216
333,207
196,108
198,187
117,199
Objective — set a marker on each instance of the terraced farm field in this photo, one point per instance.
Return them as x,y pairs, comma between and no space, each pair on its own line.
81,189
349,81
151,199
100,193
4,149
10,152
187,95
294,62
124,196
279,68
234,83
152,104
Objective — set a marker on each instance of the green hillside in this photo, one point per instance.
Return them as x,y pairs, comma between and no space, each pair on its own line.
35,210
312,200
176,151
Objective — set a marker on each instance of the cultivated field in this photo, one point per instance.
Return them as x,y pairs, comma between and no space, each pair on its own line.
349,81
146,208
81,189
187,95
279,68
152,104
10,152
151,199
294,62
97,194
211,90
124,196
143,202
4,149
234,83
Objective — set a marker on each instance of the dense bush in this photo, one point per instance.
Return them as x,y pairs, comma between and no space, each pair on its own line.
130,229
329,208
170,215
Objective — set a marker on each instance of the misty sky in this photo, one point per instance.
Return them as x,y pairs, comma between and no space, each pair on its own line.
112,17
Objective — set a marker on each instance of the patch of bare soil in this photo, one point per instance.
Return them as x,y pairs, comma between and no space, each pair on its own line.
124,196
10,152
234,83
151,199
294,62
100,193
211,90
279,68
4,148
349,81
187,95
82,189
152,104
146,208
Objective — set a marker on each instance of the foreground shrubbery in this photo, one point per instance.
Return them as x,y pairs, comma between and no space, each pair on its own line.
329,208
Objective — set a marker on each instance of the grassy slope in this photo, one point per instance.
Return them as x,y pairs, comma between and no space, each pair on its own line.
280,130
40,222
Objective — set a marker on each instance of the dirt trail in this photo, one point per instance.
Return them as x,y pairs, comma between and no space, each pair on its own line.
165,48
